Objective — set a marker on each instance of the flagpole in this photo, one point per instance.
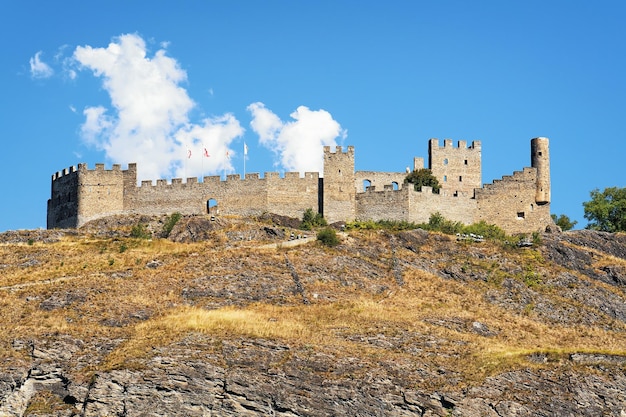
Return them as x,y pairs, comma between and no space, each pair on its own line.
245,153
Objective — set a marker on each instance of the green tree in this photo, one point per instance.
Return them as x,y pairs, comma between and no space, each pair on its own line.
311,219
423,177
563,222
606,211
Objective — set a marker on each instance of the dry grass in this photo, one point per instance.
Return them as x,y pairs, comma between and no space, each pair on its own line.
356,298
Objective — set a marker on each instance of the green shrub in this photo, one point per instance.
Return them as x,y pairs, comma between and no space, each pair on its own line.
170,223
393,225
140,231
438,223
328,237
311,219
487,231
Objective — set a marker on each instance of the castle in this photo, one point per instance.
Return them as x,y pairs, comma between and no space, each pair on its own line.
518,203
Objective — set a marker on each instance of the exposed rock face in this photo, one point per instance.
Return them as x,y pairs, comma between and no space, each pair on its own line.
245,379
64,374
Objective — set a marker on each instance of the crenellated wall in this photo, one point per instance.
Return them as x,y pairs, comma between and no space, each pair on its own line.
518,203
510,203
81,195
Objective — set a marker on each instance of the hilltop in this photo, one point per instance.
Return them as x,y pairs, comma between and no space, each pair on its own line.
224,317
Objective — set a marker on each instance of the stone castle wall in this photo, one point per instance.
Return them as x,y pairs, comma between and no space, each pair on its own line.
518,203
407,204
379,180
63,204
290,195
510,203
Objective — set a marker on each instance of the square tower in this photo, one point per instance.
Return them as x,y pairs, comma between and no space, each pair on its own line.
458,169
339,190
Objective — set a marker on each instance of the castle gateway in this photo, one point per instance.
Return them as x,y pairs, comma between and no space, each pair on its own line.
518,203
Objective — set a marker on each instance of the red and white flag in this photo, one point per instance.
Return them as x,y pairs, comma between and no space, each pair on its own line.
188,153
206,153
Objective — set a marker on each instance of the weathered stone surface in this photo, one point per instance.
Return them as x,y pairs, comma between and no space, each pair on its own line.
238,376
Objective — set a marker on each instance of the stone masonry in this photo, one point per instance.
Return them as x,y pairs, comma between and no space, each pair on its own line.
518,203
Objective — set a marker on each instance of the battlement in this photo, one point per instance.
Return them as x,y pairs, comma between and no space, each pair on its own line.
82,167
527,174
447,144
216,180
64,172
517,202
339,150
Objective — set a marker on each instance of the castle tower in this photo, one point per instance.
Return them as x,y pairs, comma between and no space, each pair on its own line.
339,191
540,159
458,169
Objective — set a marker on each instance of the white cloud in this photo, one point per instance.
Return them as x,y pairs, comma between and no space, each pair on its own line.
148,121
298,143
38,68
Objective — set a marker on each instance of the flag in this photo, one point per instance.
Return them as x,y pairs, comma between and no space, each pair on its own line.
227,155
206,153
245,149
189,153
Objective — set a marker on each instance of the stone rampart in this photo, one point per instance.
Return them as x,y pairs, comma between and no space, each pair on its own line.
363,179
518,203
510,203
414,206
383,205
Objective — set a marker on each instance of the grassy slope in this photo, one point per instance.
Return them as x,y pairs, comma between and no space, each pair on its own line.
135,295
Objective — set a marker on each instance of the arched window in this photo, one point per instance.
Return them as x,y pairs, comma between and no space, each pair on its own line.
366,185
395,185
445,161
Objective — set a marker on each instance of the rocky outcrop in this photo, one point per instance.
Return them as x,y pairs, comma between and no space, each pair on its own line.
64,373
245,379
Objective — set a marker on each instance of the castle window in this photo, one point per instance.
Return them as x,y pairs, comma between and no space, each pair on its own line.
520,214
445,161
466,162
460,178
395,185
445,178
211,206
366,185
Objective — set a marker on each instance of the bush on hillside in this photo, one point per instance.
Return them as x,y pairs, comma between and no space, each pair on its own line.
311,219
328,237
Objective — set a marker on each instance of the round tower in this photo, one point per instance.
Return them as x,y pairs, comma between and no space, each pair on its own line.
540,159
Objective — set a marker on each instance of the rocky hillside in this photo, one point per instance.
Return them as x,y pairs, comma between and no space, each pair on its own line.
229,317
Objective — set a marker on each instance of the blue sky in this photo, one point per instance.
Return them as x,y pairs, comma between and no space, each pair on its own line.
120,82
